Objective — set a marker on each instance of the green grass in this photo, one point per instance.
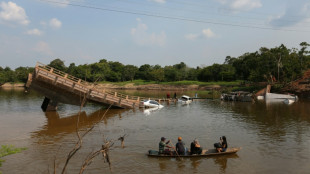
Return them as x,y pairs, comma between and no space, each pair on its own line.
184,82
8,150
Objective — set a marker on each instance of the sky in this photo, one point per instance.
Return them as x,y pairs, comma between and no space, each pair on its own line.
137,32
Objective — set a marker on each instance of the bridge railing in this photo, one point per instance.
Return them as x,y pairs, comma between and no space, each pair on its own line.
61,73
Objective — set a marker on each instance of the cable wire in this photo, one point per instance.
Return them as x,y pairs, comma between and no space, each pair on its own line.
172,17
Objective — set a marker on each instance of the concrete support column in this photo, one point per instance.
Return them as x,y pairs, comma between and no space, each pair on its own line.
49,105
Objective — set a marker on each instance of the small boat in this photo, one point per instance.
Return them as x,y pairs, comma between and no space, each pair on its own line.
205,153
151,104
185,99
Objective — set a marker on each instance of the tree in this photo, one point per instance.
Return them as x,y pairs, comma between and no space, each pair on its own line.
158,74
302,55
21,73
144,72
129,72
99,71
170,73
58,64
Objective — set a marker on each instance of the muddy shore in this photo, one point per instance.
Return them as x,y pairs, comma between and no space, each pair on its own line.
157,87
12,85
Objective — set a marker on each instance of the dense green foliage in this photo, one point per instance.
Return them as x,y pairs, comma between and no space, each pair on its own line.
19,75
266,65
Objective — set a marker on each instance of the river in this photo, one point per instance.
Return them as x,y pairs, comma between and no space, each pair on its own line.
274,137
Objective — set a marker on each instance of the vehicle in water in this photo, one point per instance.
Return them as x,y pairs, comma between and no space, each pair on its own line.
281,96
288,101
151,104
205,153
242,96
185,99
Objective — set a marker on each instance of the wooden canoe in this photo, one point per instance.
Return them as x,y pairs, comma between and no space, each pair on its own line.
205,153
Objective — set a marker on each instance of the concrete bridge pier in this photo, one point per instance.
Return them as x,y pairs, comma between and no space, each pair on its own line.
49,105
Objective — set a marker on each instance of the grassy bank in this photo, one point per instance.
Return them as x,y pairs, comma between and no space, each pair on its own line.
8,150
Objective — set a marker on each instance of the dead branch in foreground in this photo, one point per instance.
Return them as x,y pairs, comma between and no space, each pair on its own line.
122,139
104,150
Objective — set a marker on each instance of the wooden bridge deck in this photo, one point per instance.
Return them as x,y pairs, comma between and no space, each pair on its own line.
62,87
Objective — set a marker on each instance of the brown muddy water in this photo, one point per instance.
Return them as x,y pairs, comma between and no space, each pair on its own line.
274,137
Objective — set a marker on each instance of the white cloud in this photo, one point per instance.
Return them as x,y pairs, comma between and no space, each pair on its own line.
35,31
13,13
159,1
142,37
241,4
205,33
55,23
208,33
43,47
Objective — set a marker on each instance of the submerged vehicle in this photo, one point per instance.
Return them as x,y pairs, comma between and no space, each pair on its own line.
288,101
151,104
237,96
185,99
205,153
281,96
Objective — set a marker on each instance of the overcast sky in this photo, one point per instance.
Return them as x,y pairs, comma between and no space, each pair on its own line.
137,32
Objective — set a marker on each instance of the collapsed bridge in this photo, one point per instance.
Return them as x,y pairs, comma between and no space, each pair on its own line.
60,87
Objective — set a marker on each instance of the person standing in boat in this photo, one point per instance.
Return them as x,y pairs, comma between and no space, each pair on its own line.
162,145
195,147
180,147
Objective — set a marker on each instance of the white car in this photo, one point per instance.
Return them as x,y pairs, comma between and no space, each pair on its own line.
185,99
151,104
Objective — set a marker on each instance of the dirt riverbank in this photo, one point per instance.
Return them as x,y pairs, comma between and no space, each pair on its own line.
12,85
131,86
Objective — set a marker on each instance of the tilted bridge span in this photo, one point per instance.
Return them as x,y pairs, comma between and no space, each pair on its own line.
60,87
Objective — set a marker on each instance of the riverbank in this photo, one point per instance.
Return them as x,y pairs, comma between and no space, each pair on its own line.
177,85
138,85
12,85
132,86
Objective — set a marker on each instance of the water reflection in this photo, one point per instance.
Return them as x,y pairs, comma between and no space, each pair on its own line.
221,161
195,162
57,126
162,163
149,111
275,122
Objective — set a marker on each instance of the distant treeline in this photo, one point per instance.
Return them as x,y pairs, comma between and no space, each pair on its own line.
276,64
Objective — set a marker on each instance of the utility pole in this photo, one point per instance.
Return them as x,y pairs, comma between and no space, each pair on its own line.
279,62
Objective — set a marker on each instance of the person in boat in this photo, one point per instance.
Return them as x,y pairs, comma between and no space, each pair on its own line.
195,147
180,147
222,145
164,146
